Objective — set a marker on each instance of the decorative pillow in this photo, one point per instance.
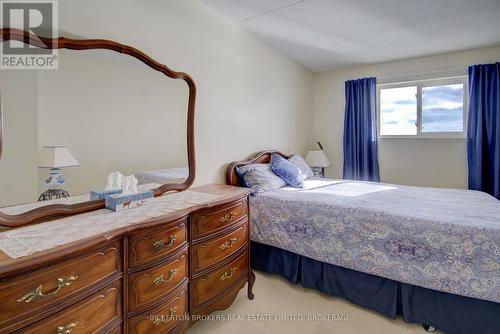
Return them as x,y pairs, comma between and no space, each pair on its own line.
290,173
260,178
298,161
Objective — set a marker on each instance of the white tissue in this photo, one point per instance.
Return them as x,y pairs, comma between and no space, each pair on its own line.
130,185
114,181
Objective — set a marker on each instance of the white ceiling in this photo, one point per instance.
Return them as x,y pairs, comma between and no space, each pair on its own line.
330,34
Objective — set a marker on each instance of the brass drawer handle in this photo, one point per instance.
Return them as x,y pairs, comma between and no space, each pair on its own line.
67,329
38,293
228,275
228,244
160,279
159,319
160,244
227,217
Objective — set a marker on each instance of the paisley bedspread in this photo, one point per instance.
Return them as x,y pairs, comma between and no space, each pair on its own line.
442,239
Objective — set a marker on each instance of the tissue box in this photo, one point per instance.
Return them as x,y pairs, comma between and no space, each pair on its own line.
119,202
101,194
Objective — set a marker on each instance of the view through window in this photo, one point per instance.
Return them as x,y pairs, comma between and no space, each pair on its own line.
422,109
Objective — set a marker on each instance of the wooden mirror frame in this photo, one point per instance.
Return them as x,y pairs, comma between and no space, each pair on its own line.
52,211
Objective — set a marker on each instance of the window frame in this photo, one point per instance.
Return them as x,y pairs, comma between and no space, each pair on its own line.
462,79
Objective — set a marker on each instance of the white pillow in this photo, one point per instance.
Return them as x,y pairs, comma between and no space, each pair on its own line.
298,161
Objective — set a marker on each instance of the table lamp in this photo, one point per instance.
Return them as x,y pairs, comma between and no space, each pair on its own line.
318,161
55,158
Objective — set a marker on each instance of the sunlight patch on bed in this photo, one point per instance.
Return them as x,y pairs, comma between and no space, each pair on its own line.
318,183
340,187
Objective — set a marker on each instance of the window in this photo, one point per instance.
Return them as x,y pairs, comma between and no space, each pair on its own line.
431,108
398,111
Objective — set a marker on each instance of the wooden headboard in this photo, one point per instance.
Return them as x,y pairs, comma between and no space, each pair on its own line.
263,157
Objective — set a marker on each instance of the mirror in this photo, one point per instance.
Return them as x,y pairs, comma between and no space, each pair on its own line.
66,129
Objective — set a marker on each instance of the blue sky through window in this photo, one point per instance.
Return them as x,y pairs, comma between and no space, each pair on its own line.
398,111
442,108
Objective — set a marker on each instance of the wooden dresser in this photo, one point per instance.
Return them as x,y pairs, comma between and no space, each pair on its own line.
156,276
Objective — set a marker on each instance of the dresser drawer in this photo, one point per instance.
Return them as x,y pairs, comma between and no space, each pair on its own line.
212,284
153,244
162,319
221,303
95,314
151,285
33,293
204,224
210,252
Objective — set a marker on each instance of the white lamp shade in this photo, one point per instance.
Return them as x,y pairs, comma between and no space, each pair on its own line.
56,157
317,159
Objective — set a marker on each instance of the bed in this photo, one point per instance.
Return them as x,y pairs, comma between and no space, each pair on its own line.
163,176
430,255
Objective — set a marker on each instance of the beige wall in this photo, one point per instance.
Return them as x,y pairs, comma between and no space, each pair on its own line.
250,97
18,173
423,162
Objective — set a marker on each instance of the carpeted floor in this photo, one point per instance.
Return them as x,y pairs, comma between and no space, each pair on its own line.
276,297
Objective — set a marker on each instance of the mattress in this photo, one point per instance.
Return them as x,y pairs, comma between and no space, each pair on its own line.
163,176
442,239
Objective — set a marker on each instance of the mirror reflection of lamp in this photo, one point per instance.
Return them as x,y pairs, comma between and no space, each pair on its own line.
55,158
318,161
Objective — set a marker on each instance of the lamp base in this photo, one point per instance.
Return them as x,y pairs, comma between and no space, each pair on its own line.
318,171
53,194
55,179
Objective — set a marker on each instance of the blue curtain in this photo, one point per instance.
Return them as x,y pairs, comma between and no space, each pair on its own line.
360,130
483,130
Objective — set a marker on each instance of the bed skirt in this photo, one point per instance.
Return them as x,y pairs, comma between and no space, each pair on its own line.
447,312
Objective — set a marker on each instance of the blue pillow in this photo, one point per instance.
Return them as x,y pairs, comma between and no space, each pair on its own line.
290,173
